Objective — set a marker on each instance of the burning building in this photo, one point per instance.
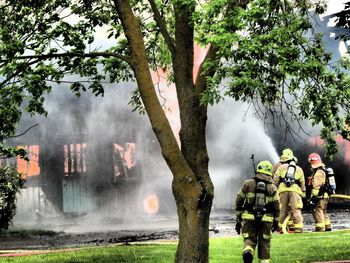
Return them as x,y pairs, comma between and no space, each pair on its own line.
91,154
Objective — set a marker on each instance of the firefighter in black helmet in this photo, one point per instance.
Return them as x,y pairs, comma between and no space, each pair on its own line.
257,211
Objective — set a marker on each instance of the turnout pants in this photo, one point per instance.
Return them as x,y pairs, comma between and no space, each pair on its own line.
322,221
257,234
291,202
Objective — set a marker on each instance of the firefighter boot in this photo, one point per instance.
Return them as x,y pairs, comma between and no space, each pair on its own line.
319,229
298,230
247,257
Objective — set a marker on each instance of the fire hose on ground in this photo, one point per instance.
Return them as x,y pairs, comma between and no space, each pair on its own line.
340,196
284,225
285,222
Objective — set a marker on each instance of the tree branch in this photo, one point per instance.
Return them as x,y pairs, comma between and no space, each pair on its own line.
60,55
18,135
162,27
74,54
3,83
160,124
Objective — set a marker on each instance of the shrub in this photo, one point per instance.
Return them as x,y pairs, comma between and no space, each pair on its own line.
10,184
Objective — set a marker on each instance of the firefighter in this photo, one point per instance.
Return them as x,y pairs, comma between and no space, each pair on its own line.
319,196
285,156
257,211
289,178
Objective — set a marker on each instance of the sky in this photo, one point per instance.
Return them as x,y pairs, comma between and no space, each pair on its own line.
335,6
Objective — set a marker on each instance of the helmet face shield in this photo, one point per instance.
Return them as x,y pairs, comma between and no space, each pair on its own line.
264,167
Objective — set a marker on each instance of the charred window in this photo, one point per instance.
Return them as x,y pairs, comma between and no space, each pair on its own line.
74,159
124,160
31,167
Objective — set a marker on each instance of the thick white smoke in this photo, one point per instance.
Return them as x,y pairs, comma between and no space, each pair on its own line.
234,135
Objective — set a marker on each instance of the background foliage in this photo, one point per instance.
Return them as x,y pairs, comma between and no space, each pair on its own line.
10,184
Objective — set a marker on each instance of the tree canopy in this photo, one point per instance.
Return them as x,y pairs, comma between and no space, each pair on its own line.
263,52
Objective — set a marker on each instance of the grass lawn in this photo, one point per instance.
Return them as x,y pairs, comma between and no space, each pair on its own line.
306,247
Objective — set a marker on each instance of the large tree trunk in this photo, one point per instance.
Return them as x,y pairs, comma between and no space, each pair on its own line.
193,200
193,208
192,186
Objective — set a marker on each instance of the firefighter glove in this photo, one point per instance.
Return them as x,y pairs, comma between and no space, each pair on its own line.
313,200
238,227
274,226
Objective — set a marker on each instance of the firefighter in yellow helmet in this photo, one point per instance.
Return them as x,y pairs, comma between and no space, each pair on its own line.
319,194
287,154
257,211
289,177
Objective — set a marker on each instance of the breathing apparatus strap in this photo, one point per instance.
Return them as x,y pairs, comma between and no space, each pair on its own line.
257,180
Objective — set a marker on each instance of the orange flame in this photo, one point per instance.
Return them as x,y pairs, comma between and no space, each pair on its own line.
31,167
167,92
72,153
344,144
151,204
126,153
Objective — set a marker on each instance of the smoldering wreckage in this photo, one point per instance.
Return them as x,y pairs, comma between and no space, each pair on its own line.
96,176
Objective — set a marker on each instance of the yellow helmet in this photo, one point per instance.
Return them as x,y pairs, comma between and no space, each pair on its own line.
287,155
264,167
